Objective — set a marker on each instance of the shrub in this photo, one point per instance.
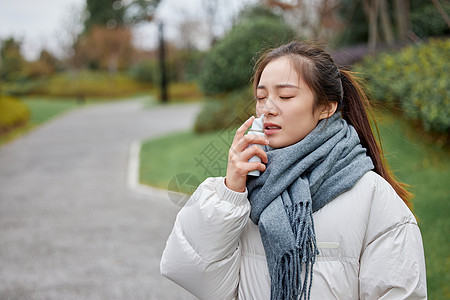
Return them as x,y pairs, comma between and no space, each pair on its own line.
12,113
416,79
426,21
226,111
229,64
146,71
22,87
90,84
184,91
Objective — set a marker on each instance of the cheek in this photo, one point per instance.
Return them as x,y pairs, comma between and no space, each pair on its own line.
301,122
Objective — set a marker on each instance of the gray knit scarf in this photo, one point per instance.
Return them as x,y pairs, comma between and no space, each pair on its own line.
299,180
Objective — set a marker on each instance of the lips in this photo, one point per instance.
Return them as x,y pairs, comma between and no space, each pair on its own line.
271,128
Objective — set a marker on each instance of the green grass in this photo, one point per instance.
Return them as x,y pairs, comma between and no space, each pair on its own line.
44,109
202,155
426,168
415,160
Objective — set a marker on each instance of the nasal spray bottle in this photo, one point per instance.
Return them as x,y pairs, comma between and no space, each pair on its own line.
257,129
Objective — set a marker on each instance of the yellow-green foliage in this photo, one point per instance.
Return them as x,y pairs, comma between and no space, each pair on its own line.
90,84
416,78
185,91
12,113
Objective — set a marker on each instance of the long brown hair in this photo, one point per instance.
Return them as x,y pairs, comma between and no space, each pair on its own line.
332,84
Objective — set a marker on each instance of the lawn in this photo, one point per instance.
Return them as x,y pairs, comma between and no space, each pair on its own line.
44,109
202,156
415,160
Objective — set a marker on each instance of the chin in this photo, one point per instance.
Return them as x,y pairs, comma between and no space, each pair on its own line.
276,145
280,144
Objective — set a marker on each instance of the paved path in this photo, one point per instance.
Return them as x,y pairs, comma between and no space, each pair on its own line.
69,226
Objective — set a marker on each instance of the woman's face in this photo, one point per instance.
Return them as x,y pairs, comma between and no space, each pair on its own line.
287,103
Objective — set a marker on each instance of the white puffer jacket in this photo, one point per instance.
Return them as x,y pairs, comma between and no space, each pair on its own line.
369,242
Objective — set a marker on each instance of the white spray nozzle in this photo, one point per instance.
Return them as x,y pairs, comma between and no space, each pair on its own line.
258,124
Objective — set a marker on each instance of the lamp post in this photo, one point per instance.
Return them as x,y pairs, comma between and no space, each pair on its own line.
162,65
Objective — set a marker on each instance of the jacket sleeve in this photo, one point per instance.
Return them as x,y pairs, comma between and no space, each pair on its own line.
202,252
392,264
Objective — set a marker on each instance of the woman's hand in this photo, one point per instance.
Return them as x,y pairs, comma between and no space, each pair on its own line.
239,154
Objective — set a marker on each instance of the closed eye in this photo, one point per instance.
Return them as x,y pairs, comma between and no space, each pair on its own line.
260,98
286,98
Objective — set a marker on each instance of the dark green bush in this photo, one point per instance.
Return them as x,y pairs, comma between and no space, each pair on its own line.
416,79
12,113
427,21
22,87
229,65
228,111
146,71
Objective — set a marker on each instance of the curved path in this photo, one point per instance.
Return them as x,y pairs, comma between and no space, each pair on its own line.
70,228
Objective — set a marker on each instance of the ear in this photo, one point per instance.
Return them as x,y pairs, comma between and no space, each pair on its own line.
328,110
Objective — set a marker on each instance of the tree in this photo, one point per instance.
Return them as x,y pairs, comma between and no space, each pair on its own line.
371,8
211,8
376,21
118,13
229,65
105,49
189,29
386,23
44,66
11,60
106,42
402,9
69,29
107,13
317,19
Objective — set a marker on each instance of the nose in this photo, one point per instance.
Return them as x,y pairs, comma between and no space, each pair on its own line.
269,107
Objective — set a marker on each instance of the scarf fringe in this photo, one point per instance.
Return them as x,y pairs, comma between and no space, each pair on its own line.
288,272
287,276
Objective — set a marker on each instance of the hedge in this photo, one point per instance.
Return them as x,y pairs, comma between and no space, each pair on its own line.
12,113
415,79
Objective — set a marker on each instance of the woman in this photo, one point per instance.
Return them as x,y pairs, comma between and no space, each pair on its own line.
325,220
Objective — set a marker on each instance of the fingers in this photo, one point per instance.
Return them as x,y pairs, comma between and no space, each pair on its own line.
242,169
238,162
252,151
236,177
256,166
243,128
250,139
242,140
241,151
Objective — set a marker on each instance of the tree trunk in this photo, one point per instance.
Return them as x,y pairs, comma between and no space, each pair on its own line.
371,8
402,16
386,23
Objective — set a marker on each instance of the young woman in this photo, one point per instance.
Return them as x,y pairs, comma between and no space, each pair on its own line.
325,220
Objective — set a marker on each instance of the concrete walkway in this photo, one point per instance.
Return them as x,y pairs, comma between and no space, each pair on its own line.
70,228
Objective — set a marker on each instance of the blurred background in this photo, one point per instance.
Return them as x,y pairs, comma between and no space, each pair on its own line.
64,56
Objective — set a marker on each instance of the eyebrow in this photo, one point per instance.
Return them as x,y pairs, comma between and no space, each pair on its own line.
280,86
